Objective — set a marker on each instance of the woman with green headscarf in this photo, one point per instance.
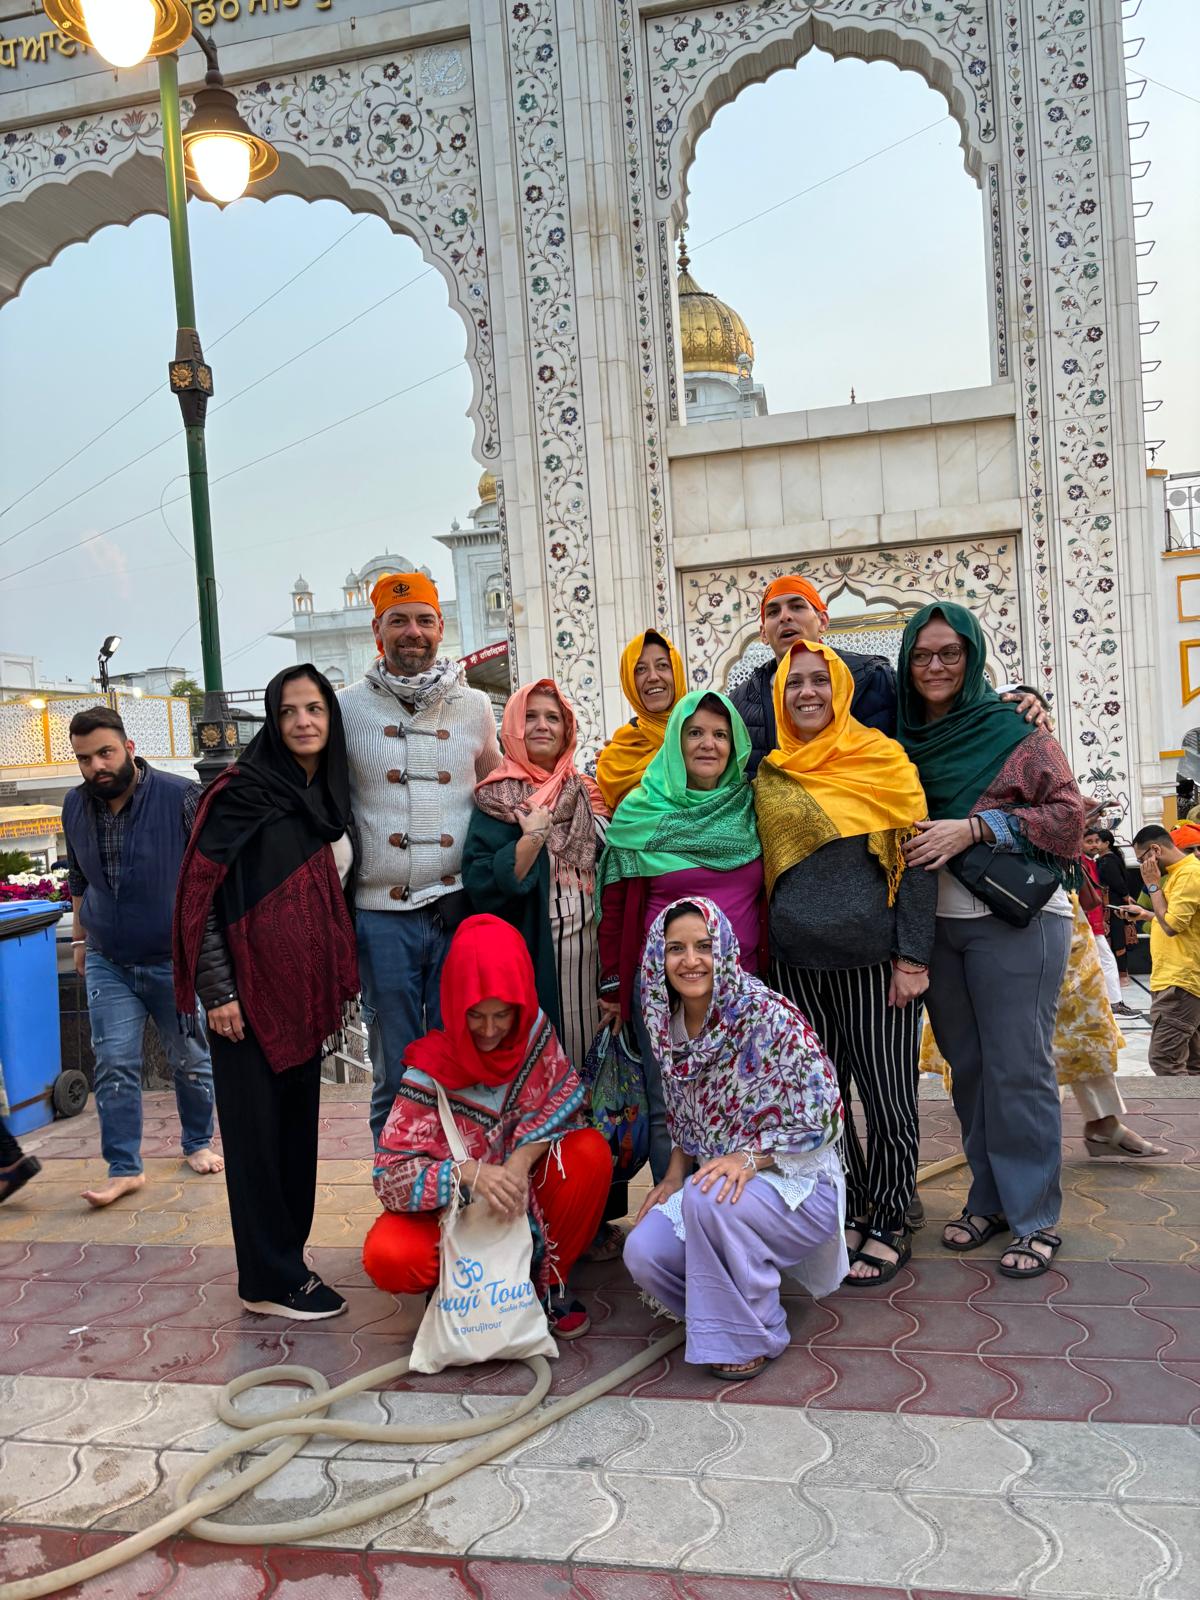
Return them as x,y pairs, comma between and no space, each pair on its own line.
993,987
687,830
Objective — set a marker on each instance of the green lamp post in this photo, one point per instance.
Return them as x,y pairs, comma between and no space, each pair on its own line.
218,153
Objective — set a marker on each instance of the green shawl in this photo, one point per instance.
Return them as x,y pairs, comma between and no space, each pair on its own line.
959,754
663,826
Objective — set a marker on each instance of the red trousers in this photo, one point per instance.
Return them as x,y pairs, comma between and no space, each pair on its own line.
400,1254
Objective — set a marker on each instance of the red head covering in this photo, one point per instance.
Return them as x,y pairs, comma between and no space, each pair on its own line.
487,960
791,583
1186,836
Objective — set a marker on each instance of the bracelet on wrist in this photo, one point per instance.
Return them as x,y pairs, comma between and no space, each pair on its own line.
913,968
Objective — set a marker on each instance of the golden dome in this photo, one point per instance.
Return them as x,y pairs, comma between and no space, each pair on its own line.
711,333
487,488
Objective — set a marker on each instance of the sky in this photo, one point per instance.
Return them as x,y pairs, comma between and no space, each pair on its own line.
872,278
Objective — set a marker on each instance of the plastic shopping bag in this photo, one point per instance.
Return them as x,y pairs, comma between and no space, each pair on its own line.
485,1307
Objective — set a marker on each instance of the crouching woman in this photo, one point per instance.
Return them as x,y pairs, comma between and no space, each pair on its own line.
754,1188
516,1101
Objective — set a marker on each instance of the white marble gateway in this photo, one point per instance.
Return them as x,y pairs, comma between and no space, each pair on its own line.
538,152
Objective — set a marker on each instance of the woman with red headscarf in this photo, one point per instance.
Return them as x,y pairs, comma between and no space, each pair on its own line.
515,1099
530,856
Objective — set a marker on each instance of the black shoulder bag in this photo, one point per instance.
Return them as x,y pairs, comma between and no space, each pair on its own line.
1010,885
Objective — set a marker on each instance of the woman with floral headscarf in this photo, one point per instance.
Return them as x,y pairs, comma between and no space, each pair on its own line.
754,1187
686,830
530,855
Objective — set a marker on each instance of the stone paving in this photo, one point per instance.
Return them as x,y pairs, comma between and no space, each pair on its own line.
954,1434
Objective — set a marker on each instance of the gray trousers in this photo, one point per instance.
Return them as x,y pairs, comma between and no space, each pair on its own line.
993,997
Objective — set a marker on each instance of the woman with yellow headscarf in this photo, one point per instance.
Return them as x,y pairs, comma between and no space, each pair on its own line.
652,680
851,931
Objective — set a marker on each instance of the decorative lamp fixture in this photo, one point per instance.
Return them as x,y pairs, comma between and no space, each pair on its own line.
37,704
124,32
220,154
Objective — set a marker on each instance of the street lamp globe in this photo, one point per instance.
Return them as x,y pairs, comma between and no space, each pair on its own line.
221,162
121,30
220,153
124,32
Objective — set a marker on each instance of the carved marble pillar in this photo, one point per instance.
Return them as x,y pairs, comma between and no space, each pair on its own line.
1075,357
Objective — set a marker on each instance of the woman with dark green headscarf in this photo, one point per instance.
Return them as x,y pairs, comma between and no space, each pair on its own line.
687,830
993,988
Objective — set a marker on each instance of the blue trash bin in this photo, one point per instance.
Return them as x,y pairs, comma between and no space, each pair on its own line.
30,1051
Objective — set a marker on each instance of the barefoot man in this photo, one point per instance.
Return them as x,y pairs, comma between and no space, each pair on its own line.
126,828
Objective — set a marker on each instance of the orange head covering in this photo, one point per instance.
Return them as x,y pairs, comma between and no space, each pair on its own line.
620,765
404,589
791,583
1186,836
853,780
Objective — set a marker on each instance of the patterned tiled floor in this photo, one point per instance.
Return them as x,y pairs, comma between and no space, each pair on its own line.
956,1434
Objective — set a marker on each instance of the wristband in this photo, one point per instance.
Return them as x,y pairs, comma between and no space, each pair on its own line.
74,942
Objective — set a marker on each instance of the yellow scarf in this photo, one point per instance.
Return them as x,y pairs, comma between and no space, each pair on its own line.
631,749
849,780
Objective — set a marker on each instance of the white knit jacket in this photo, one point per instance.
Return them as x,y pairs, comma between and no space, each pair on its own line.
412,820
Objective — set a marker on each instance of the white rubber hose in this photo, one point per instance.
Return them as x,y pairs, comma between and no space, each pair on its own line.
293,1424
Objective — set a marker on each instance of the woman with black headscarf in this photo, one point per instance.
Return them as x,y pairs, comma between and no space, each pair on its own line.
264,936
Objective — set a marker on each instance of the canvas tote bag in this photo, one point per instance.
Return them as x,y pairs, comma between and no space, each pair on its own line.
484,1307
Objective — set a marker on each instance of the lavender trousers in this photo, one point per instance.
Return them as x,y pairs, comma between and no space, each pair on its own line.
723,1280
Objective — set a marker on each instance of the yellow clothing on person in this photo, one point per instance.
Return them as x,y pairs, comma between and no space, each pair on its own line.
847,781
1086,1036
1175,962
620,765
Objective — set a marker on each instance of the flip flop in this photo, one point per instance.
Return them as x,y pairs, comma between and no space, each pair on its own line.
731,1375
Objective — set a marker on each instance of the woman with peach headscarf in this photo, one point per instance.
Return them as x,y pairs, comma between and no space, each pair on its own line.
530,856
652,680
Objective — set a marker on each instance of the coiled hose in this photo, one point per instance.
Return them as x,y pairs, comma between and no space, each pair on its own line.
307,1418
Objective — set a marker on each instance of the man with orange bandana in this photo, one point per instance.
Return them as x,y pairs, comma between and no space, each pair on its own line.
419,740
792,609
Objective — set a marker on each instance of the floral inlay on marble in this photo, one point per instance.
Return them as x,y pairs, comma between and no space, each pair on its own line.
687,50
721,608
553,336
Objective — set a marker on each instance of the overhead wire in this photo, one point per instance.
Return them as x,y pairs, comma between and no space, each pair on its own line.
220,406
254,310
235,471
820,184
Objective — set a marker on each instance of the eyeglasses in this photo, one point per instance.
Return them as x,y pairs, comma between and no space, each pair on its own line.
949,655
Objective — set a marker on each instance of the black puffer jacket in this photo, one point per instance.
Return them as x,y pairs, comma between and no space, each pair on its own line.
874,702
215,982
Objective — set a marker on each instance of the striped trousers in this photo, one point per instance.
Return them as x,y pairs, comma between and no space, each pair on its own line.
875,1047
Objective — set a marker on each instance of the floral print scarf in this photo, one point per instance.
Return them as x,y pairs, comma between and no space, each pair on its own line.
756,1077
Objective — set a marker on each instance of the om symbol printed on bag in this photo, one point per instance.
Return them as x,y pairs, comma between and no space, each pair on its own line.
484,1307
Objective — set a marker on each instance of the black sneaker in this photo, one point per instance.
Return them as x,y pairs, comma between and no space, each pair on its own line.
18,1175
311,1303
914,1215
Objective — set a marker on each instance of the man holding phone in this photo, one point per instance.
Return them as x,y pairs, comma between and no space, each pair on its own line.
1172,880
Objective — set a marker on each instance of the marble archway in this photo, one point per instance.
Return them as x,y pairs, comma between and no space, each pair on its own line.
392,135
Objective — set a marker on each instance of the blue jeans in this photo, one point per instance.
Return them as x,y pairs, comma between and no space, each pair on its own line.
119,1001
400,955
